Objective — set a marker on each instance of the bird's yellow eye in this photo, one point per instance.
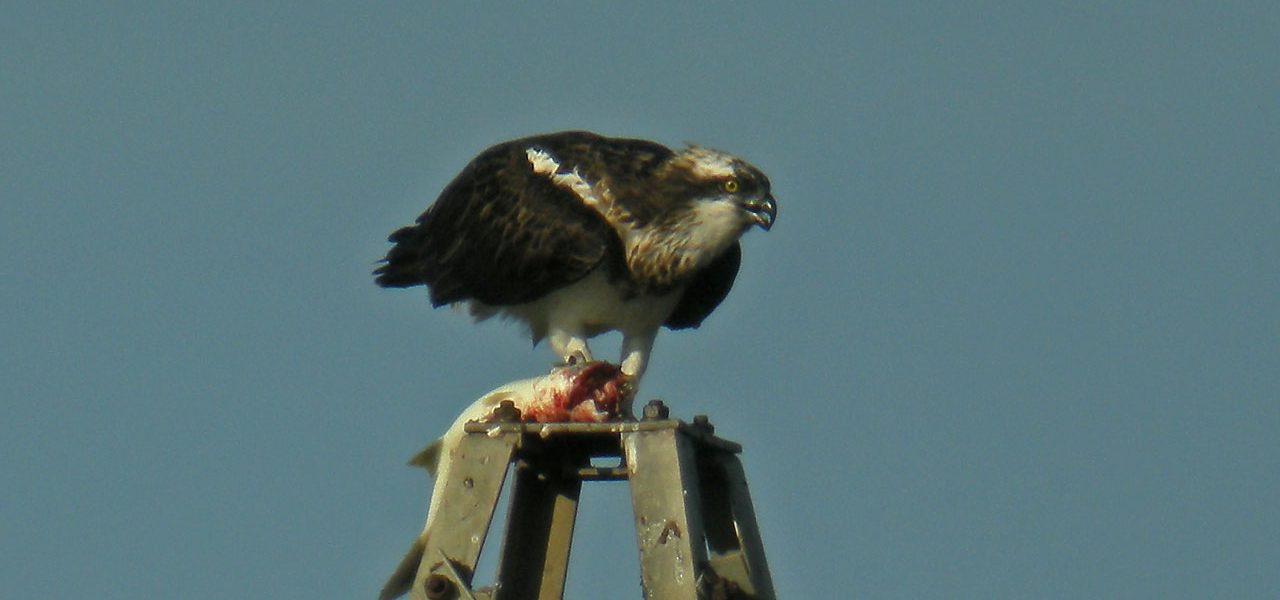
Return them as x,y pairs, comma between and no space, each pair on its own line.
730,185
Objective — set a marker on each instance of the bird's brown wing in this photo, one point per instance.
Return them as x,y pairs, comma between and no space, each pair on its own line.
707,290
501,234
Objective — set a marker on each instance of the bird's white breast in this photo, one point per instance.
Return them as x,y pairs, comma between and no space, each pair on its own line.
591,306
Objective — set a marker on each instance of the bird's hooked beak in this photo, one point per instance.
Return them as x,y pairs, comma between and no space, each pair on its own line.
763,211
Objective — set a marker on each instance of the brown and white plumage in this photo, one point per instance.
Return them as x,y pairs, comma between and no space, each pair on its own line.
576,234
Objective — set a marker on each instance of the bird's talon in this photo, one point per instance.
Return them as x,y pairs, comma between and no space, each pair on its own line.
574,359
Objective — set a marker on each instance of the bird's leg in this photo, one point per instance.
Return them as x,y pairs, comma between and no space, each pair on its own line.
635,354
572,349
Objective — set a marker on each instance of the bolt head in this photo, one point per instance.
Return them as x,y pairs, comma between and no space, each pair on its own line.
655,410
438,587
506,412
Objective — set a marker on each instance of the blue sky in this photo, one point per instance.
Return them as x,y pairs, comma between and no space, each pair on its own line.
1016,332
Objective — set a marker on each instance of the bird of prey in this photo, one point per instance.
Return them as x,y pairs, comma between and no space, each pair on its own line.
576,234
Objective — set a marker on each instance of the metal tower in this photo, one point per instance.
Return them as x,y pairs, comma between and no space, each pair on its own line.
693,515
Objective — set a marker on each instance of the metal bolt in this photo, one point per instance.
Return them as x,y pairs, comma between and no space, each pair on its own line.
655,410
704,423
438,587
506,412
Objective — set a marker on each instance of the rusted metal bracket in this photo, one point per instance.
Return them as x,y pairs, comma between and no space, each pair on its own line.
694,521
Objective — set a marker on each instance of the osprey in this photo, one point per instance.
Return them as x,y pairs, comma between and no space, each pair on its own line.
576,234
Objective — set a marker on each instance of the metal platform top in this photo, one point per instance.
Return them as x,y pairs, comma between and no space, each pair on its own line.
655,419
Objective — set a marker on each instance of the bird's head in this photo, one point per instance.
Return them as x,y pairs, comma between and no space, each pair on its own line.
724,187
